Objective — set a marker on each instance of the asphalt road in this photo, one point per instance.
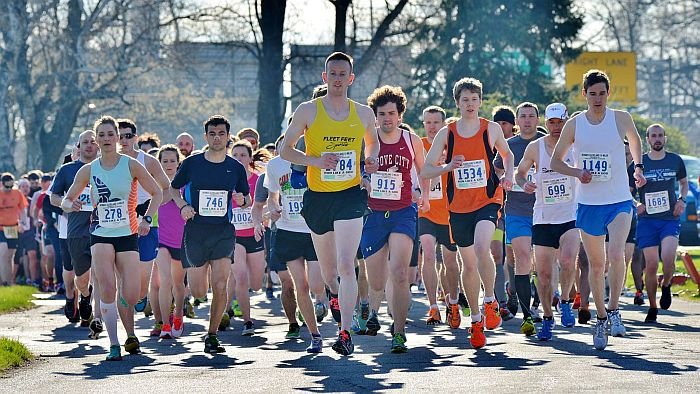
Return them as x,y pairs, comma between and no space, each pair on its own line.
652,358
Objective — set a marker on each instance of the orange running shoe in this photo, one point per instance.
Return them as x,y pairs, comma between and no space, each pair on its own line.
477,338
577,301
493,315
434,317
454,319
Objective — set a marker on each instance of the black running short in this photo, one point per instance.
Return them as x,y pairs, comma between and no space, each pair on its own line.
290,245
203,242
549,234
463,225
322,209
127,243
175,253
250,244
80,256
439,231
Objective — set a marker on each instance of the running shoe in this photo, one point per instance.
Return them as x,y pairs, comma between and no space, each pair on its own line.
316,345
545,332
269,293
148,310
513,303
248,329
71,311
115,353
528,327
651,315
464,304
237,312
132,345
493,316
321,311
294,331
556,300
577,301
505,312
600,334
398,343
85,307
335,308
363,316
157,328
225,322
188,310
584,315
454,319
441,296
373,325
617,329
199,301
300,317
638,298
166,331
535,312
567,314
212,344
96,328
85,323
141,305
343,345
666,297
433,317
477,337
178,327
355,325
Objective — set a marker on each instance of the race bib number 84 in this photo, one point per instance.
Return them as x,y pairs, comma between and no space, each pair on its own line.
345,170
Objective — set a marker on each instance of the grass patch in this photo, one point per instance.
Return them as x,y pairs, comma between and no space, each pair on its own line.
16,298
12,354
689,291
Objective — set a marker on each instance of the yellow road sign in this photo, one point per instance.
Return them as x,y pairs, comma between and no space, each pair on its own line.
621,67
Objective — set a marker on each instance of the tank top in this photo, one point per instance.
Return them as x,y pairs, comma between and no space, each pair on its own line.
555,196
240,217
115,192
344,138
475,184
438,213
143,195
600,150
172,225
392,184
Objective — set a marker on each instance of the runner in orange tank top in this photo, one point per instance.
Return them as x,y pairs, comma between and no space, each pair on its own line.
474,196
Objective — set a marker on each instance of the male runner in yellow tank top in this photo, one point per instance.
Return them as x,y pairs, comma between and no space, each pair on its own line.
334,128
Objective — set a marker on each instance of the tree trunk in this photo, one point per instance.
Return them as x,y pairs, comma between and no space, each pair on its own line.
341,17
7,161
271,69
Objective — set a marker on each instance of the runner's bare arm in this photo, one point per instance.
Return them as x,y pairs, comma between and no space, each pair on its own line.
680,204
566,140
70,203
528,160
294,131
256,215
431,168
149,184
371,139
625,119
501,145
420,163
156,170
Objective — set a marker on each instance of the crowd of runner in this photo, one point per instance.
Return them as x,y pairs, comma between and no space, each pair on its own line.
348,208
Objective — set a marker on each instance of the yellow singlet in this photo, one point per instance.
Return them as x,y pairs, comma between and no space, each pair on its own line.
344,138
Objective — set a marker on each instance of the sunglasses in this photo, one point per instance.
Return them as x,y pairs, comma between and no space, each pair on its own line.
127,136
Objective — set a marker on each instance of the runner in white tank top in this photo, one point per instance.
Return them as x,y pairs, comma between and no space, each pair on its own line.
554,220
605,204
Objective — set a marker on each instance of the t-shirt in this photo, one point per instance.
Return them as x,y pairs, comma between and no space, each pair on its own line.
78,222
277,180
208,186
172,225
517,201
11,204
659,193
260,189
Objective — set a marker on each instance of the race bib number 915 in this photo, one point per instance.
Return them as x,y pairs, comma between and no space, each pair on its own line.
386,185
345,170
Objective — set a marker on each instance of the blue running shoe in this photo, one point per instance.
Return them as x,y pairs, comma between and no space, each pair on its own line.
141,305
545,332
316,345
363,316
567,314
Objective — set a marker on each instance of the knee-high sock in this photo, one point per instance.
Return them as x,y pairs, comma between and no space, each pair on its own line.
522,287
109,316
500,287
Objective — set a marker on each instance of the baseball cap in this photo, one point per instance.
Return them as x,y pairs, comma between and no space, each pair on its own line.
556,110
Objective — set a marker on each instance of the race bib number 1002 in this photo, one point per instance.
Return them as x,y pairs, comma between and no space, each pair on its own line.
242,219
345,170
470,175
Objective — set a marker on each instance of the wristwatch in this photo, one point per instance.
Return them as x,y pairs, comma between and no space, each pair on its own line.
148,219
640,166
682,199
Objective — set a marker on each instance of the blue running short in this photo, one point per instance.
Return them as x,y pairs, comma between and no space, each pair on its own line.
594,219
650,231
518,226
148,246
380,224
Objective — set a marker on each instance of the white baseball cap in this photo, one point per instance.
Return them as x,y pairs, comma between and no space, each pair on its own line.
556,110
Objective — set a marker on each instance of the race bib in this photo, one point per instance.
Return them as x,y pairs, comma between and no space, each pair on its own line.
598,164
557,190
84,197
657,202
291,207
113,214
386,185
345,170
470,175
241,219
435,189
11,232
212,202
530,178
